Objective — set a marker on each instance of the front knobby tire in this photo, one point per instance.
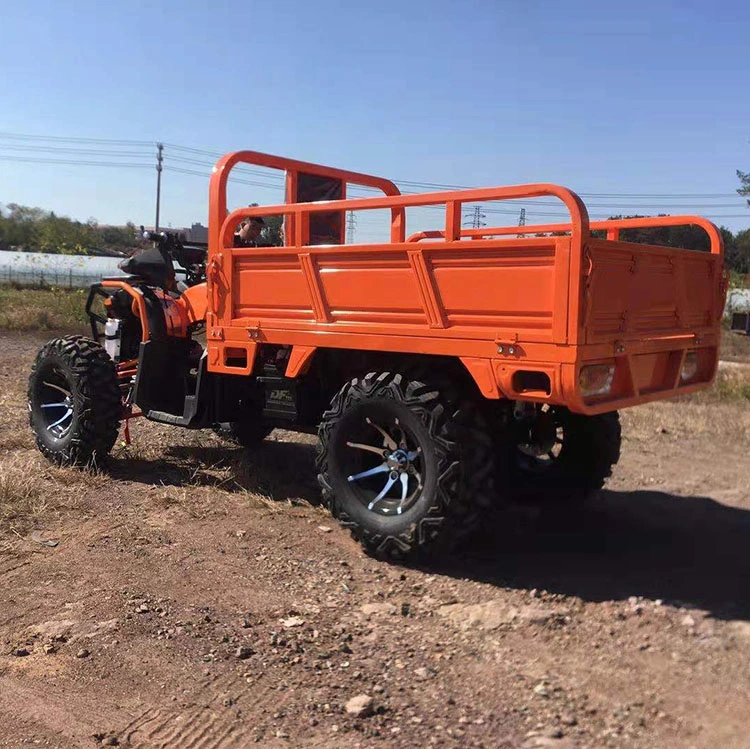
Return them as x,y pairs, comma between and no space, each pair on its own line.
404,464
74,401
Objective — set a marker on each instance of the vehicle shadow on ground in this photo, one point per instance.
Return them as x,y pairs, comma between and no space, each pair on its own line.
686,550
281,471
691,550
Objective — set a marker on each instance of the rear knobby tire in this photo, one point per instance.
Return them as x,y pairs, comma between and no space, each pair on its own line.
590,450
74,401
454,463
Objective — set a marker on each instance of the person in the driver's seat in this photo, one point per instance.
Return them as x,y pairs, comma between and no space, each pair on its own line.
248,233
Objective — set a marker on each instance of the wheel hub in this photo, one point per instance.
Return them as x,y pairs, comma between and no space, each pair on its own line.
403,481
543,433
542,437
57,405
398,460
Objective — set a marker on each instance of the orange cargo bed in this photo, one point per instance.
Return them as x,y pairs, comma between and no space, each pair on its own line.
540,318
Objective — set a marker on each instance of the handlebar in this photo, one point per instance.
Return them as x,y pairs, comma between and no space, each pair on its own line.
192,259
159,237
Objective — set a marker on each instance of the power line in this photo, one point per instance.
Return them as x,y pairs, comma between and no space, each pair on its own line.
444,186
366,188
493,211
188,149
61,145
657,195
68,150
236,180
65,139
405,182
210,164
74,162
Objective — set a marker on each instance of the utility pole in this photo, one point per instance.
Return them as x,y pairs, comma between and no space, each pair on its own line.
477,218
351,225
159,160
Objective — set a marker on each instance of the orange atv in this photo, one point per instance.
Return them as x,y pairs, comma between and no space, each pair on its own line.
441,370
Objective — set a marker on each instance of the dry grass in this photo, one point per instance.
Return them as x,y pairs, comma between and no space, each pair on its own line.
197,473
723,409
199,458
31,489
691,418
732,384
706,416
21,491
43,309
14,419
200,502
734,347
21,440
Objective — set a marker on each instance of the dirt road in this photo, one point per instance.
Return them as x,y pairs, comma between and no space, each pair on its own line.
197,596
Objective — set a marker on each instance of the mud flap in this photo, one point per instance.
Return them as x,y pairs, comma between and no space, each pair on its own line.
167,387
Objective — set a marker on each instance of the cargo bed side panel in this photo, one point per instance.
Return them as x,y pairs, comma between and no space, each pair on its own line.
513,291
637,292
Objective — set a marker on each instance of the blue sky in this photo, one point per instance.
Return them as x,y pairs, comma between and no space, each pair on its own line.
638,98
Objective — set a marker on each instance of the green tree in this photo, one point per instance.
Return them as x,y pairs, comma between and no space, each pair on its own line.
119,238
35,229
744,178
60,234
20,225
739,260
686,237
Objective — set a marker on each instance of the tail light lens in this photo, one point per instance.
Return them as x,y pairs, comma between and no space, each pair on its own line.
689,366
596,379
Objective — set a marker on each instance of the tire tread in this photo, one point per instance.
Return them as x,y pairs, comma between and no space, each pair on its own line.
98,402
464,485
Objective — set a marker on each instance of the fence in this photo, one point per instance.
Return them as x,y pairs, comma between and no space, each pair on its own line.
63,277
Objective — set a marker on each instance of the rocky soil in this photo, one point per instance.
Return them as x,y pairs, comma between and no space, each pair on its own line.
196,595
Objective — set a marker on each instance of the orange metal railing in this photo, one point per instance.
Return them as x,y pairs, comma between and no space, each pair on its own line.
218,188
612,227
453,201
297,214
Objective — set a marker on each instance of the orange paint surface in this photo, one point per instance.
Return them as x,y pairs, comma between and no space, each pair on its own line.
528,311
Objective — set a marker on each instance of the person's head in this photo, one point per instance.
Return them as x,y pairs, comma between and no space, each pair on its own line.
251,228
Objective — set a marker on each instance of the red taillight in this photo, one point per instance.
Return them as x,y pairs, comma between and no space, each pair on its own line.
689,366
596,379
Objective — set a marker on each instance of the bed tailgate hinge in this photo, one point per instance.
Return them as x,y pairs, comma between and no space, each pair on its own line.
507,344
254,332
